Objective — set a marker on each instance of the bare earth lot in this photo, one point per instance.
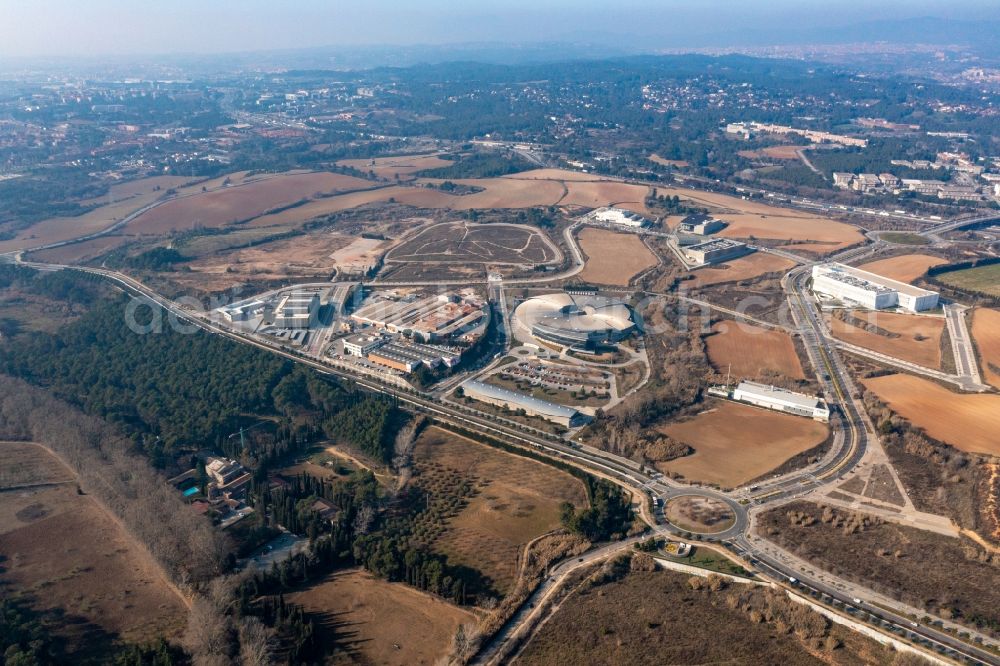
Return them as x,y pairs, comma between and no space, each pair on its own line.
750,350
735,443
63,550
744,268
919,338
967,422
519,501
986,333
464,242
657,618
613,258
905,268
372,617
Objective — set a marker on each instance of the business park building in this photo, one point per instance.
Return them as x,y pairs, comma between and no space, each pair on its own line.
869,290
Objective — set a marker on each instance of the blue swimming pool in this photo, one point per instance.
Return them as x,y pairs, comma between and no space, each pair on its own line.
193,490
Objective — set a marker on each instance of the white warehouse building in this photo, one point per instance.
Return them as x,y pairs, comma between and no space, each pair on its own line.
621,217
782,400
870,290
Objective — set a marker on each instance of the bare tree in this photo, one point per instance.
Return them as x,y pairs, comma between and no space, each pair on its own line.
257,643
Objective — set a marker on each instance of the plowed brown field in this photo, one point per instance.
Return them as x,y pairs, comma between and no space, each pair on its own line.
905,268
613,258
735,443
919,338
751,350
986,333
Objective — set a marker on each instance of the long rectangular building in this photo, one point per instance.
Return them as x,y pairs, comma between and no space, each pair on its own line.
298,309
870,290
782,400
501,397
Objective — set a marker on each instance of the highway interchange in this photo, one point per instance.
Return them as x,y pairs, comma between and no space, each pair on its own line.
853,435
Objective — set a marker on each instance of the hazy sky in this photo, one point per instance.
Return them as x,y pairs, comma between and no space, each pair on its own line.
99,27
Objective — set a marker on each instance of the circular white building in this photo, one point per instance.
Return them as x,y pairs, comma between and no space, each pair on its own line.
573,320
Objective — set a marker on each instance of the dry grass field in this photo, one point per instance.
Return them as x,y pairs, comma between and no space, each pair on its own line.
656,617
967,422
377,622
703,515
465,242
241,202
774,152
736,443
518,500
925,569
986,333
613,258
758,219
62,550
905,268
554,174
680,164
80,252
749,350
919,338
982,279
606,193
399,167
133,197
744,268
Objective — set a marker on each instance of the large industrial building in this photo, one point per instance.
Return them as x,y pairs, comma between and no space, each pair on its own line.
298,309
781,400
582,322
620,217
716,250
426,318
501,397
870,290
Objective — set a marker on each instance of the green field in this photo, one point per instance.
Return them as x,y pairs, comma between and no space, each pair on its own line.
982,279
903,238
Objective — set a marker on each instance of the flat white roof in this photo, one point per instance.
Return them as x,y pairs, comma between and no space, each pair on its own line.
775,393
874,278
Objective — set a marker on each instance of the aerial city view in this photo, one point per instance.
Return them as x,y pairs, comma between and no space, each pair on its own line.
536,333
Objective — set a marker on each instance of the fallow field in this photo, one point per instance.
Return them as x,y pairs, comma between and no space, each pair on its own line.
518,500
239,203
138,194
986,333
613,258
399,167
967,422
744,268
905,268
735,443
748,350
916,338
69,559
376,622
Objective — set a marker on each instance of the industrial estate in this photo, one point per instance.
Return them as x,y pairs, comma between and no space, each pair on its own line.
671,359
